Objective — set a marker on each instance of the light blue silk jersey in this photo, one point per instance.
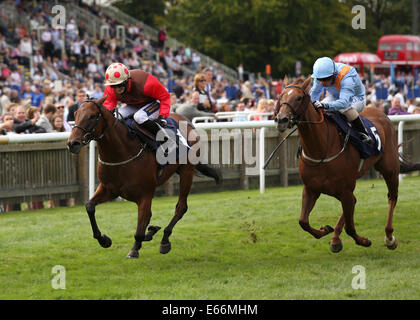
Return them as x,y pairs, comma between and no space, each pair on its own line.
351,88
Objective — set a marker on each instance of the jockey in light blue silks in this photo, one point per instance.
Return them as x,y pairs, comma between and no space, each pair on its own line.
347,92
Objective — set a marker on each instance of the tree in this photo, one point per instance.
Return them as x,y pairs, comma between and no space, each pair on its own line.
148,11
258,32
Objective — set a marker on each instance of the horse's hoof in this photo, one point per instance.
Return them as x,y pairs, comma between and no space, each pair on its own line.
336,247
391,244
328,228
165,247
153,229
105,241
133,254
367,243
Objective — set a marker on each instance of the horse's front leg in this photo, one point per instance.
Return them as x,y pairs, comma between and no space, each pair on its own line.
143,219
101,195
309,198
336,245
348,202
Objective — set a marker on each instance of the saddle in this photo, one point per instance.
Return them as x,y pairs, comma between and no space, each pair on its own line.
172,131
365,150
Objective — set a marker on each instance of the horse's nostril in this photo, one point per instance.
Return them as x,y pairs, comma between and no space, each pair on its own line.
74,146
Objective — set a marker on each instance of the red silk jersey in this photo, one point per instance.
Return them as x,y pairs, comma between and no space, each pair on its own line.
143,88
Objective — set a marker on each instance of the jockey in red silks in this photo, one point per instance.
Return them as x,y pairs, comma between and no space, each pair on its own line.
146,99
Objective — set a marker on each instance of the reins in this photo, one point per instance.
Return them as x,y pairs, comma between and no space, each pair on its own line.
89,135
298,113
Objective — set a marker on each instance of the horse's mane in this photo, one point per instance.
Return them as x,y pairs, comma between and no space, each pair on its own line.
298,81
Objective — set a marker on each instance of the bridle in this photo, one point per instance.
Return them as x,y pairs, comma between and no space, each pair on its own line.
89,133
300,110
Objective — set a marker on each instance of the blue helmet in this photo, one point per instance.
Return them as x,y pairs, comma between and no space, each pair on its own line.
323,68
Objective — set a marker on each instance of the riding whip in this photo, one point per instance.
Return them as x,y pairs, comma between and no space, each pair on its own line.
275,150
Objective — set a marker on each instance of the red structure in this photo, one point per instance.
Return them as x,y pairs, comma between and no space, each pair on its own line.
358,58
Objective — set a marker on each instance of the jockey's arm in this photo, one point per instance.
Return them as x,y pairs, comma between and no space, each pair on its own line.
346,94
316,90
111,101
153,88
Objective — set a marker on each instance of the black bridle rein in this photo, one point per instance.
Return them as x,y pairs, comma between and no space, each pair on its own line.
89,133
298,112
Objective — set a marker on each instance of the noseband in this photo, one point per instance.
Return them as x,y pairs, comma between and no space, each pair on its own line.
89,134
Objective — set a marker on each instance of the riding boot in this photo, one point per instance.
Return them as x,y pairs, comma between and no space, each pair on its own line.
359,126
153,128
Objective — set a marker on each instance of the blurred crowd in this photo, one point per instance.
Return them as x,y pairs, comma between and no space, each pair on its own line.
46,73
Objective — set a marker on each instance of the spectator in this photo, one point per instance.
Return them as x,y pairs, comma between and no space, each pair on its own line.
416,110
162,37
58,124
246,89
396,107
46,118
6,126
195,60
98,92
37,97
47,42
204,99
25,47
379,105
60,113
190,109
209,86
5,100
411,105
23,125
263,107
80,97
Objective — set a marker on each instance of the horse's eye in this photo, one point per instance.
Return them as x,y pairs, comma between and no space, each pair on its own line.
299,99
92,117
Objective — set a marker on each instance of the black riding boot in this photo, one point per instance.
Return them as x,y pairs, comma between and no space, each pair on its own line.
358,125
153,128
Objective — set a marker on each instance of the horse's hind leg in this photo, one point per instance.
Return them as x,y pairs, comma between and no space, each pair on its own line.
143,219
186,179
308,202
348,202
392,184
101,195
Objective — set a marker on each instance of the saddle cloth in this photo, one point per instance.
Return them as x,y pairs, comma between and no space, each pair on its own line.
366,150
172,129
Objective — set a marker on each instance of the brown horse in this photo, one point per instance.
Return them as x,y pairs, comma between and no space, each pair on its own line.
127,168
331,166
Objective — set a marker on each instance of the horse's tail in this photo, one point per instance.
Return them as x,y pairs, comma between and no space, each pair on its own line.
407,165
210,172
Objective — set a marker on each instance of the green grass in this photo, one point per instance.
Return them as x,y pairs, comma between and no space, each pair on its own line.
229,245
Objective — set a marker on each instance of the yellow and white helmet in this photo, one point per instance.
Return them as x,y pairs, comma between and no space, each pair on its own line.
116,73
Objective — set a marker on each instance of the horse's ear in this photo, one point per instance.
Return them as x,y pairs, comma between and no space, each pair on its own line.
285,81
102,100
306,83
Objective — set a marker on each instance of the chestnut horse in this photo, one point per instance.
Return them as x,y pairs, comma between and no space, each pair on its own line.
329,165
127,168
